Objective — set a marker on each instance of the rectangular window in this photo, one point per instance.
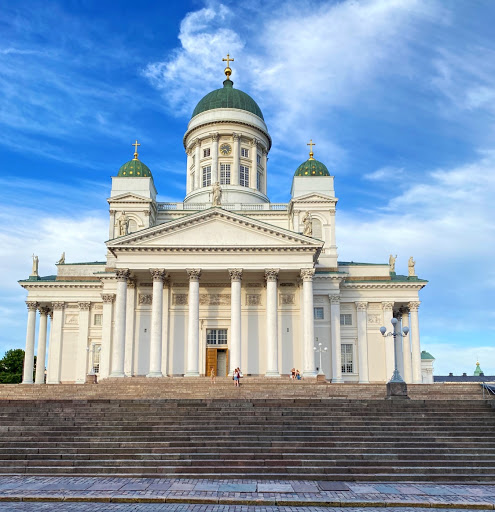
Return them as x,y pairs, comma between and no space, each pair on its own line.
206,152
244,176
97,319
318,313
346,319
259,181
96,355
216,336
258,159
207,176
346,350
245,152
224,174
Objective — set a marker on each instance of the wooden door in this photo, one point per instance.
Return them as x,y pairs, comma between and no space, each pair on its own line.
211,361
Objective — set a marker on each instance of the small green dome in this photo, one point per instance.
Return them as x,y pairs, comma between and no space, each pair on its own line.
228,97
312,167
134,169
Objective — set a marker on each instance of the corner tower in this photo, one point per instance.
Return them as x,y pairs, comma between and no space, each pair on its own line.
227,141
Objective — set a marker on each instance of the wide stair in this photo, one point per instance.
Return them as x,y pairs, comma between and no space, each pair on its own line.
272,438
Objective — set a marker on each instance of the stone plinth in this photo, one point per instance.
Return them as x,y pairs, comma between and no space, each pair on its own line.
397,391
91,379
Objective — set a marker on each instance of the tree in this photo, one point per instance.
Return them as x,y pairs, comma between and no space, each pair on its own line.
11,366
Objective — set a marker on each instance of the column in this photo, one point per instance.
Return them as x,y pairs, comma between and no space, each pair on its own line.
156,323
388,314
118,352
214,159
82,351
198,182
271,276
106,334
55,348
265,171
235,318
189,184
362,331
406,348
254,164
111,227
415,349
236,167
309,369
27,376
335,335
41,355
192,369
130,320
165,319
398,343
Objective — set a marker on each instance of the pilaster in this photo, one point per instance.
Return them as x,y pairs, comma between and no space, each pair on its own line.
362,328
234,175
214,159
335,335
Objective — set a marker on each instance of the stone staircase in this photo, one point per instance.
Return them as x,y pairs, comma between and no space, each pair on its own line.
242,436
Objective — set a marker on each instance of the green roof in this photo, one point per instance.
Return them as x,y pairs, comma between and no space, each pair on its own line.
228,97
426,355
478,370
134,169
312,167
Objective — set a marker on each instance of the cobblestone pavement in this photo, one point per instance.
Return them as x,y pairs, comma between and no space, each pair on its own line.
150,494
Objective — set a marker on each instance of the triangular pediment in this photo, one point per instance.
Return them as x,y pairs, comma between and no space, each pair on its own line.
128,197
215,228
314,197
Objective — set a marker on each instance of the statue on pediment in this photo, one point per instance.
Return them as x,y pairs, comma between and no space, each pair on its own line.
410,267
123,224
391,262
217,194
307,223
34,271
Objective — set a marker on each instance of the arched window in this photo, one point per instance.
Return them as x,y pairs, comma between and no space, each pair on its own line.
132,226
317,230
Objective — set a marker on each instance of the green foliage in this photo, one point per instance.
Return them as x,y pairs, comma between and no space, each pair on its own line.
11,366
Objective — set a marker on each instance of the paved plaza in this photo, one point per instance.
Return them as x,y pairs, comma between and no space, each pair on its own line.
150,494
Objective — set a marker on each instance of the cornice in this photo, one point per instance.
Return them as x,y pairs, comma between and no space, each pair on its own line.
331,277
177,249
62,285
389,285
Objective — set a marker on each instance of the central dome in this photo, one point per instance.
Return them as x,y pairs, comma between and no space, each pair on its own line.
228,97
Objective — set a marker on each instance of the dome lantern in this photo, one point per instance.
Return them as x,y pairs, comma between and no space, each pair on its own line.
312,167
134,168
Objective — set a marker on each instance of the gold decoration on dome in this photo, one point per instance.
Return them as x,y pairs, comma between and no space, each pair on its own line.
311,144
227,70
135,149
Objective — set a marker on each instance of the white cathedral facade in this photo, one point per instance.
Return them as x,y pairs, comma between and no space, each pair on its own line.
224,279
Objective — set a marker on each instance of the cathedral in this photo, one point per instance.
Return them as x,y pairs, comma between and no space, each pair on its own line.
225,278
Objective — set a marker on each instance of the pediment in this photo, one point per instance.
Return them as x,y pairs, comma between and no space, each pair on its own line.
215,228
313,197
128,197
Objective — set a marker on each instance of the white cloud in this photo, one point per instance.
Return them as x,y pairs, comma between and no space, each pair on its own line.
386,173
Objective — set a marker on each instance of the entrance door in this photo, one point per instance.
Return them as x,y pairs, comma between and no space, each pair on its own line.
222,362
216,352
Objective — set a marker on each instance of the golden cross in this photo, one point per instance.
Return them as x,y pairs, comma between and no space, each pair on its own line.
228,59
311,144
135,149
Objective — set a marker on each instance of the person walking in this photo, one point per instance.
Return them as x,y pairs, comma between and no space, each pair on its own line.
236,377
212,375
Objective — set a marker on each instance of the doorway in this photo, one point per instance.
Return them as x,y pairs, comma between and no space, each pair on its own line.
216,358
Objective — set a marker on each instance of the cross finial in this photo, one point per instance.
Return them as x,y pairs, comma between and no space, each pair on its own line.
311,144
228,71
135,149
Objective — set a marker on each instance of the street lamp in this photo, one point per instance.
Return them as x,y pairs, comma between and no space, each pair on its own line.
405,331
320,350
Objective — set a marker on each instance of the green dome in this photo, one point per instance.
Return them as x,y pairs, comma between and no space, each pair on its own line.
134,169
228,97
312,168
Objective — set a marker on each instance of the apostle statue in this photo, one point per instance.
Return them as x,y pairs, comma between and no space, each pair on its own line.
35,266
391,262
217,194
61,261
410,267
307,222
123,224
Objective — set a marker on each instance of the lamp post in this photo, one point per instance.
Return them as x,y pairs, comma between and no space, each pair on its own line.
320,350
396,387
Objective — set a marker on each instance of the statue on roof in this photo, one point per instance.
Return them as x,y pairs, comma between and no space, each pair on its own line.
61,261
308,225
410,267
34,271
391,262
217,195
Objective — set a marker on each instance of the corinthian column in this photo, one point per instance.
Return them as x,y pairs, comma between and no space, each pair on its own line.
82,353
388,314
27,377
192,369
406,348
398,342
55,348
41,356
156,323
335,334
106,334
362,329
235,318
118,354
254,163
198,180
416,349
308,323
214,159
189,184
234,175
271,276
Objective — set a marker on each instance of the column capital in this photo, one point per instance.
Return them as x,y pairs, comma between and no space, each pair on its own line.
362,306
307,274
214,137
122,274
50,314
32,306
84,306
112,212
254,142
235,274
387,306
108,298
398,315
271,274
236,136
334,299
58,306
414,306
194,273
404,310
44,310
158,274
131,283
196,143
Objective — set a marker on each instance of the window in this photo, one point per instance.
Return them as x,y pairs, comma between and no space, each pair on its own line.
192,180
258,159
96,357
224,174
346,319
206,152
317,229
216,336
207,176
346,350
97,319
244,176
259,181
245,152
318,314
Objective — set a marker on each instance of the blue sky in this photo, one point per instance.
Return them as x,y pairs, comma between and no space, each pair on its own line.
399,96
